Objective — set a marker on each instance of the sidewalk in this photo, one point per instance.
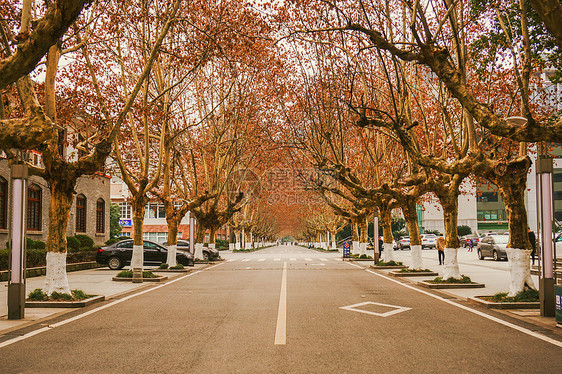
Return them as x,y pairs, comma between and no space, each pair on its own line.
495,275
93,282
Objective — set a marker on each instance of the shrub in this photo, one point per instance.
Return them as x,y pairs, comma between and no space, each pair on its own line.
58,296
529,295
178,266
37,295
129,274
465,279
80,295
436,232
389,263
85,241
464,230
36,258
4,259
163,266
221,244
35,244
72,243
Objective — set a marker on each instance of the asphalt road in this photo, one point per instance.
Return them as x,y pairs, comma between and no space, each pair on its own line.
228,319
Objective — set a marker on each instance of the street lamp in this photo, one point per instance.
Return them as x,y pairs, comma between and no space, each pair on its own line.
16,285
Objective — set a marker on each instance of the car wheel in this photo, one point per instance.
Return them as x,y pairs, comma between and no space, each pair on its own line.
206,256
480,257
496,258
114,263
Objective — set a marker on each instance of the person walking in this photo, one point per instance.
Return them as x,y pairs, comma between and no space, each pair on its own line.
441,249
470,245
533,240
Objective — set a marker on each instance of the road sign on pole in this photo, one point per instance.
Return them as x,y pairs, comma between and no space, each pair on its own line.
346,250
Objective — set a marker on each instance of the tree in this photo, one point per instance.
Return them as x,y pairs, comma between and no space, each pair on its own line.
114,217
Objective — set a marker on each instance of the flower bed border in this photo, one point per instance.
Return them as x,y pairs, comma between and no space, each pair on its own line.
184,270
65,304
504,305
450,285
389,267
413,274
157,279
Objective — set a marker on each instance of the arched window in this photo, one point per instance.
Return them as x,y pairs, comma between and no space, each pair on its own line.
3,203
34,207
80,213
100,216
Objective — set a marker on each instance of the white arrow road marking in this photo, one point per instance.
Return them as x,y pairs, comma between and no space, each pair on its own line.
397,309
318,264
281,330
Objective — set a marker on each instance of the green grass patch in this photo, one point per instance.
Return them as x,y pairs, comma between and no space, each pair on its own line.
361,257
414,271
39,295
464,280
129,274
529,295
390,263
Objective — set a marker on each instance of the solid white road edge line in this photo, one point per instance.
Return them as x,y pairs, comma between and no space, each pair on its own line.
281,329
61,323
477,312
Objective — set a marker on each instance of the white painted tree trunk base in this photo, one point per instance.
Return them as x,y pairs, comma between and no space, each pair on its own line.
387,252
334,245
355,248
231,246
198,251
247,245
137,260
416,253
237,246
212,245
362,248
451,265
520,269
56,279
171,259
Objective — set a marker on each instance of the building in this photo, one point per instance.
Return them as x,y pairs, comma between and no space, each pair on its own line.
155,227
89,214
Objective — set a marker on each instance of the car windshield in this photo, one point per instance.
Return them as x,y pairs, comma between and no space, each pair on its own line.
430,236
501,239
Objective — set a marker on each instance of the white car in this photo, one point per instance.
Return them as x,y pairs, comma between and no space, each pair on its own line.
428,241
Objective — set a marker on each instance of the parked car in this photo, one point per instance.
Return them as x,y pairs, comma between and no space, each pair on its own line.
404,242
119,254
467,238
208,253
428,241
493,246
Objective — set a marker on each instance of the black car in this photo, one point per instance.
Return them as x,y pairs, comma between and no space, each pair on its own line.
119,254
208,253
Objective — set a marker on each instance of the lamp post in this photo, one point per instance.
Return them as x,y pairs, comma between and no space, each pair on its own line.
16,285
376,255
545,211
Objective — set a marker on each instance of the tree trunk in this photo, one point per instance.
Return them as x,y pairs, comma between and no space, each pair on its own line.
386,223
59,212
137,261
513,194
213,231
364,236
173,224
450,211
411,216
354,236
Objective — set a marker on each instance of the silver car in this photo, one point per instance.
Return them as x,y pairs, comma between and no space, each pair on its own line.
493,246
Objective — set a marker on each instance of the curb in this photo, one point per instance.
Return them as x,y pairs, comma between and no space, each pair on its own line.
172,270
507,305
413,274
157,279
388,267
450,285
42,270
64,304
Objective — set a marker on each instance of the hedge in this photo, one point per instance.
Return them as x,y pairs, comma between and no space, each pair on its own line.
37,257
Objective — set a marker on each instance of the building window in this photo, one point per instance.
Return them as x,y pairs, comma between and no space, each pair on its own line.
487,197
80,213
155,210
557,195
34,202
126,211
3,203
158,237
557,177
100,216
